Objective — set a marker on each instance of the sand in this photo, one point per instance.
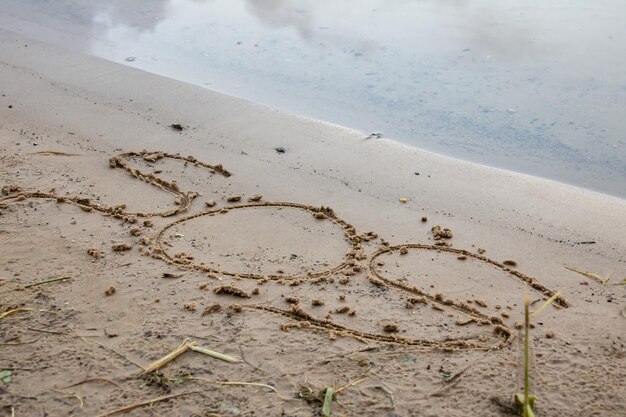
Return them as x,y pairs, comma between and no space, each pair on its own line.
139,212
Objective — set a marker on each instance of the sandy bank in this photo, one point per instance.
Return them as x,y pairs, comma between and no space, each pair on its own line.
62,116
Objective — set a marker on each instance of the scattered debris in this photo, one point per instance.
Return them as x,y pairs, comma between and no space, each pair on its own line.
439,233
481,303
171,275
215,308
509,262
292,299
147,403
121,247
10,189
110,291
390,328
232,290
280,149
375,135
177,126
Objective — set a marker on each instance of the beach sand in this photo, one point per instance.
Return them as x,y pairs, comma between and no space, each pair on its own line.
304,249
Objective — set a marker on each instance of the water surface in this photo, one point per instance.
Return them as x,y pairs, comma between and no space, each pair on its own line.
536,86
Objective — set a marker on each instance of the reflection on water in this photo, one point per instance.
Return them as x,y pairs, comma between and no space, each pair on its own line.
537,86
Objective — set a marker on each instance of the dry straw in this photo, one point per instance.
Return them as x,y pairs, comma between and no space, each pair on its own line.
591,275
184,347
525,400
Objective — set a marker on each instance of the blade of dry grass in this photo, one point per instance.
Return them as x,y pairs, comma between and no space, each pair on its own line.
254,384
28,342
389,393
257,384
70,395
47,281
46,331
14,311
145,403
216,355
591,275
97,378
546,304
53,153
348,385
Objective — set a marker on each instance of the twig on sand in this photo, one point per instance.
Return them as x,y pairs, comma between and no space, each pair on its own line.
214,354
454,379
159,363
349,384
70,395
243,358
97,378
147,402
121,355
184,347
46,331
53,153
13,311
47,281
389,393
255,384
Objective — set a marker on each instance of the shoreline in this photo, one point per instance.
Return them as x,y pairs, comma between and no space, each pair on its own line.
71,113
548,119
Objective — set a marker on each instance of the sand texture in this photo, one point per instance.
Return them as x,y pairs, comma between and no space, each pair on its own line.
141,216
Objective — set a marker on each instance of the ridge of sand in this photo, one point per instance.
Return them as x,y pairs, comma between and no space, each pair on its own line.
325,279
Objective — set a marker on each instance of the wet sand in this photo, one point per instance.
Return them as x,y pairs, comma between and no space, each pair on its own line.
138,212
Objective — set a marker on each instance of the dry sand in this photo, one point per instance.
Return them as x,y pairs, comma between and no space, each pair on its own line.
327,279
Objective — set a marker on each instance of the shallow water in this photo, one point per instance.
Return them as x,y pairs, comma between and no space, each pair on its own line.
532,86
